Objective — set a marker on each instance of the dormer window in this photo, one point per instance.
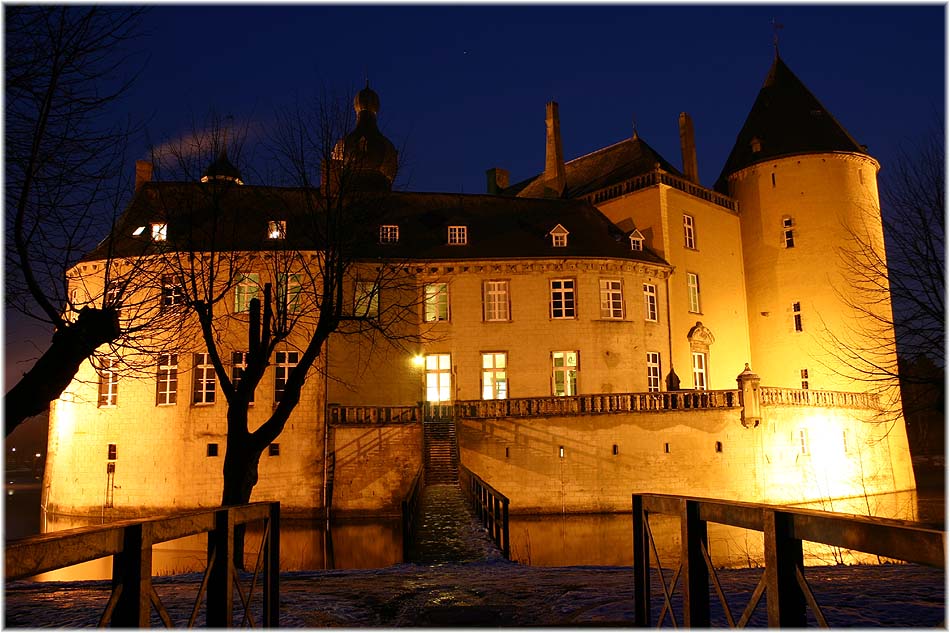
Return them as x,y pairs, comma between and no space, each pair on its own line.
458,235
756,145
277,229
159,232
138,231
388,234
636,240
558,236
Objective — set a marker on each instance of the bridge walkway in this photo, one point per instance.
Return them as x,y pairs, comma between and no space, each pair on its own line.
448,531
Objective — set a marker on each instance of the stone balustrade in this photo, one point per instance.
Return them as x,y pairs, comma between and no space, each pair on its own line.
660,177
344,414
655,401
771,396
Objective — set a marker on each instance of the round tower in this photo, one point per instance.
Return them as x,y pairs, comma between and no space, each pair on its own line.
805,189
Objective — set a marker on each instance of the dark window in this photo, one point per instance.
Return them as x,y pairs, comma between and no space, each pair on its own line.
212,450
273,450
112,451
718,447
616,449
666,447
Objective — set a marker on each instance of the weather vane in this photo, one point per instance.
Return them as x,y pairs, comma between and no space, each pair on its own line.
775,28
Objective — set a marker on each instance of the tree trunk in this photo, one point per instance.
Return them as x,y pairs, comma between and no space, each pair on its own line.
53,372
241,460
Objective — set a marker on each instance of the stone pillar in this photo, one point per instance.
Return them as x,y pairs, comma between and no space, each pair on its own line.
751,414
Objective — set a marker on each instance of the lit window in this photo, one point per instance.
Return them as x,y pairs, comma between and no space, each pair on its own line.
494,376
113,298
388,234
653,371
438,377
247,288
171,292
436,302
288,293
458,235
699,370
138,231
203,391
562,298
788,232
166,388
159,232
692,285
611,299
756,145
286,361
366,300
797,317
238,367
108,382
558,236
564,380
649,300
273,450
689,232
495,300
277,229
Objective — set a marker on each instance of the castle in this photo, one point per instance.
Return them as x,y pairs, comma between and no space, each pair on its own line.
588,323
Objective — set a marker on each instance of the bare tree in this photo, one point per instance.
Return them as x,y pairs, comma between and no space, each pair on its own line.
269,271
899,294
66,69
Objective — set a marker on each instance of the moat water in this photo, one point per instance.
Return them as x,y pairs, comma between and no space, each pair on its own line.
545,541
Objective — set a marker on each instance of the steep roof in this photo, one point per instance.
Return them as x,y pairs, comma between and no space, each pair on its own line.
616,163
786,119
237,216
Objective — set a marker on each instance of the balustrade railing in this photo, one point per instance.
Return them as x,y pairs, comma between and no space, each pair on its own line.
490,506
654,401
660,177
808,397
783,530
345,414
130,544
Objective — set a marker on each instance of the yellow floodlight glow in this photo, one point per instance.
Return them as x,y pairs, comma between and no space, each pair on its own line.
418,360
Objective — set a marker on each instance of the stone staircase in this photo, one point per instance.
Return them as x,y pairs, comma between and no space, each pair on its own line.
441,451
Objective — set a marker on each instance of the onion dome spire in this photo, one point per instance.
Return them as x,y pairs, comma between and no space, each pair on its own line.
222,169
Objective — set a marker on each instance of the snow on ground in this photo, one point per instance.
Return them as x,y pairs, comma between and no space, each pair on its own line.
496,592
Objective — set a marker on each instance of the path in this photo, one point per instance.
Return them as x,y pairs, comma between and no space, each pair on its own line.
448,531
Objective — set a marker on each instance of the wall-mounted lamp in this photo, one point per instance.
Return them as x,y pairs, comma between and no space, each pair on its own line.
560,450
418,360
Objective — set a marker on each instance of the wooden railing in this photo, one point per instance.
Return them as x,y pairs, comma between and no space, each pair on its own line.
490,506
656,177
343,414
769,396
130,544
410,506
783,579
653,401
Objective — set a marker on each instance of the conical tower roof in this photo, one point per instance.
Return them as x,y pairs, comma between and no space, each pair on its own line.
786,119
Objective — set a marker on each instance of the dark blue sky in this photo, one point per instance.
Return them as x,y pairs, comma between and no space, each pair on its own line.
463,88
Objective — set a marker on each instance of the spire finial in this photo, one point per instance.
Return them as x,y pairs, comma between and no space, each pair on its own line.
634,126
775,28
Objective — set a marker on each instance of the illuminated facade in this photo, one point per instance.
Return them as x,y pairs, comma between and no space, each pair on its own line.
611,301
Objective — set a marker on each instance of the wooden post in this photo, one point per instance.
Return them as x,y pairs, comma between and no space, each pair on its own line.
695,574
783,554
220,582
641,566
272,570
132,568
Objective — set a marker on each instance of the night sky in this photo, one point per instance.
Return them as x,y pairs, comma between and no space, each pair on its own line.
463,89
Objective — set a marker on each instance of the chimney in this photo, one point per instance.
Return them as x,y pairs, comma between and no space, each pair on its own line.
554,177
143,173
497,180
688,145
